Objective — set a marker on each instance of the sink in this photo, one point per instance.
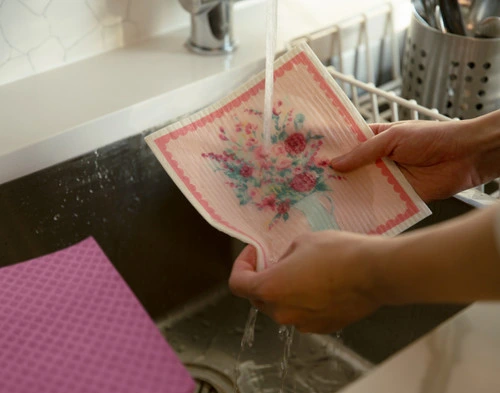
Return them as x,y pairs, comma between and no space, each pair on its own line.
207,333
178,265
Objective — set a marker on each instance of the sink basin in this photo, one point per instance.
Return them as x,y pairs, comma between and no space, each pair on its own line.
176,264
207,332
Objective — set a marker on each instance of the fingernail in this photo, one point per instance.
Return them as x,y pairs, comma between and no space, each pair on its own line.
335,161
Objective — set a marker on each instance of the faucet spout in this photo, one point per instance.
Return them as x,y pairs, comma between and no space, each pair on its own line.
211,26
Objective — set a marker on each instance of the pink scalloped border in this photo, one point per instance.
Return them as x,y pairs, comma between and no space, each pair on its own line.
301,58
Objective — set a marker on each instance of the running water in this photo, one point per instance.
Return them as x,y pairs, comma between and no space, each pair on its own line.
246,342
286,335
271,22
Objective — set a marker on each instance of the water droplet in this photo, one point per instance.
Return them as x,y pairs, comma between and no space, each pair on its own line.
56,217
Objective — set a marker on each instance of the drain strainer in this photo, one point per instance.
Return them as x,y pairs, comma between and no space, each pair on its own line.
209,380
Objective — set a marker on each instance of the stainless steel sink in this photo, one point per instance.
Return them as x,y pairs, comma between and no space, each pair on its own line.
207,334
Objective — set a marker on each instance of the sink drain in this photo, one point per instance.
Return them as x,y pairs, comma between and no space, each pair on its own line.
209,380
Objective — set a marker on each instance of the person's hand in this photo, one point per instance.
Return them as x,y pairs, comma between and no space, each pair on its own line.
321,284
438,159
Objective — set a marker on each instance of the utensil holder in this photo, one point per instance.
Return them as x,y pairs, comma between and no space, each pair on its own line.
458,75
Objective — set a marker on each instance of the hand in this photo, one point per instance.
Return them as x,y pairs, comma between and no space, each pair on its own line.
321,284
438,159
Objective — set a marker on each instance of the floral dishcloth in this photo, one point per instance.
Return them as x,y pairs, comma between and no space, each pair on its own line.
266,195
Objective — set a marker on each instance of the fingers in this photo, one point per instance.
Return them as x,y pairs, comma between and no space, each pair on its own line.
368,152
242,281
377,128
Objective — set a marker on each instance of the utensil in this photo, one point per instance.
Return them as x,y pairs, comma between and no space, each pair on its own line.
488,28
428,7
452,17
477,12
439,19
421,13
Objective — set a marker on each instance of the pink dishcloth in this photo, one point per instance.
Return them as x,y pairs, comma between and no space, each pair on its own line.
70,323
267,194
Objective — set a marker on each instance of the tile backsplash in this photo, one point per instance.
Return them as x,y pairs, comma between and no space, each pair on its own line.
38,35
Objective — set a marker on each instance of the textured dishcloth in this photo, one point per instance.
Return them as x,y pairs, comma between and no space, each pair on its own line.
70,323
267,195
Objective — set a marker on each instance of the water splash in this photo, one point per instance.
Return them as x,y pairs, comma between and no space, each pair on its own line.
286,335
246,343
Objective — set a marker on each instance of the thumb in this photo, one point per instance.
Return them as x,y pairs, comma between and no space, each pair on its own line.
242,281
365,153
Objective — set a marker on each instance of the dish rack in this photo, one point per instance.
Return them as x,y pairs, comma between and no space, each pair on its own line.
363,54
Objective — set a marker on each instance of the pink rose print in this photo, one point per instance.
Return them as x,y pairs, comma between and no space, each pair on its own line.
295,143
277,177
253,192
269,201
278,150
251,142
246,171
283,163
303,182
322,163
283,207
276,111
265,164
260,153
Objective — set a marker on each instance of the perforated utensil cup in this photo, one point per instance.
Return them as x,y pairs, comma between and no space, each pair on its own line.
458,75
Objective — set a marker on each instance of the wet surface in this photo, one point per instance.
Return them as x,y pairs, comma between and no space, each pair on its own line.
207,336
122,197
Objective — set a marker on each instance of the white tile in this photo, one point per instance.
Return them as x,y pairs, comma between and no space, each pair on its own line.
15,53
49,55
15,69
70,21
109,12
37,6
89,45
5,49
119,35
156,16
22,29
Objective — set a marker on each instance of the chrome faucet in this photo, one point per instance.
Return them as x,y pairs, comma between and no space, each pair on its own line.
211,26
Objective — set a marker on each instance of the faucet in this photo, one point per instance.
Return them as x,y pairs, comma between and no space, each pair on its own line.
211,26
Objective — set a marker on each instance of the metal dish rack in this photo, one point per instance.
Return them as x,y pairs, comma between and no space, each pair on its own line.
363,54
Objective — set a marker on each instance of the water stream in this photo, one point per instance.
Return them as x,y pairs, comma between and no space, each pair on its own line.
271,34
285,332
246,343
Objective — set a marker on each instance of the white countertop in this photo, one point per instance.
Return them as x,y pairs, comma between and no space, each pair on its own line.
460,356
63,113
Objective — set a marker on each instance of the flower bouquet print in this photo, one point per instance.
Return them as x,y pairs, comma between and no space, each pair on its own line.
266,192
280,177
